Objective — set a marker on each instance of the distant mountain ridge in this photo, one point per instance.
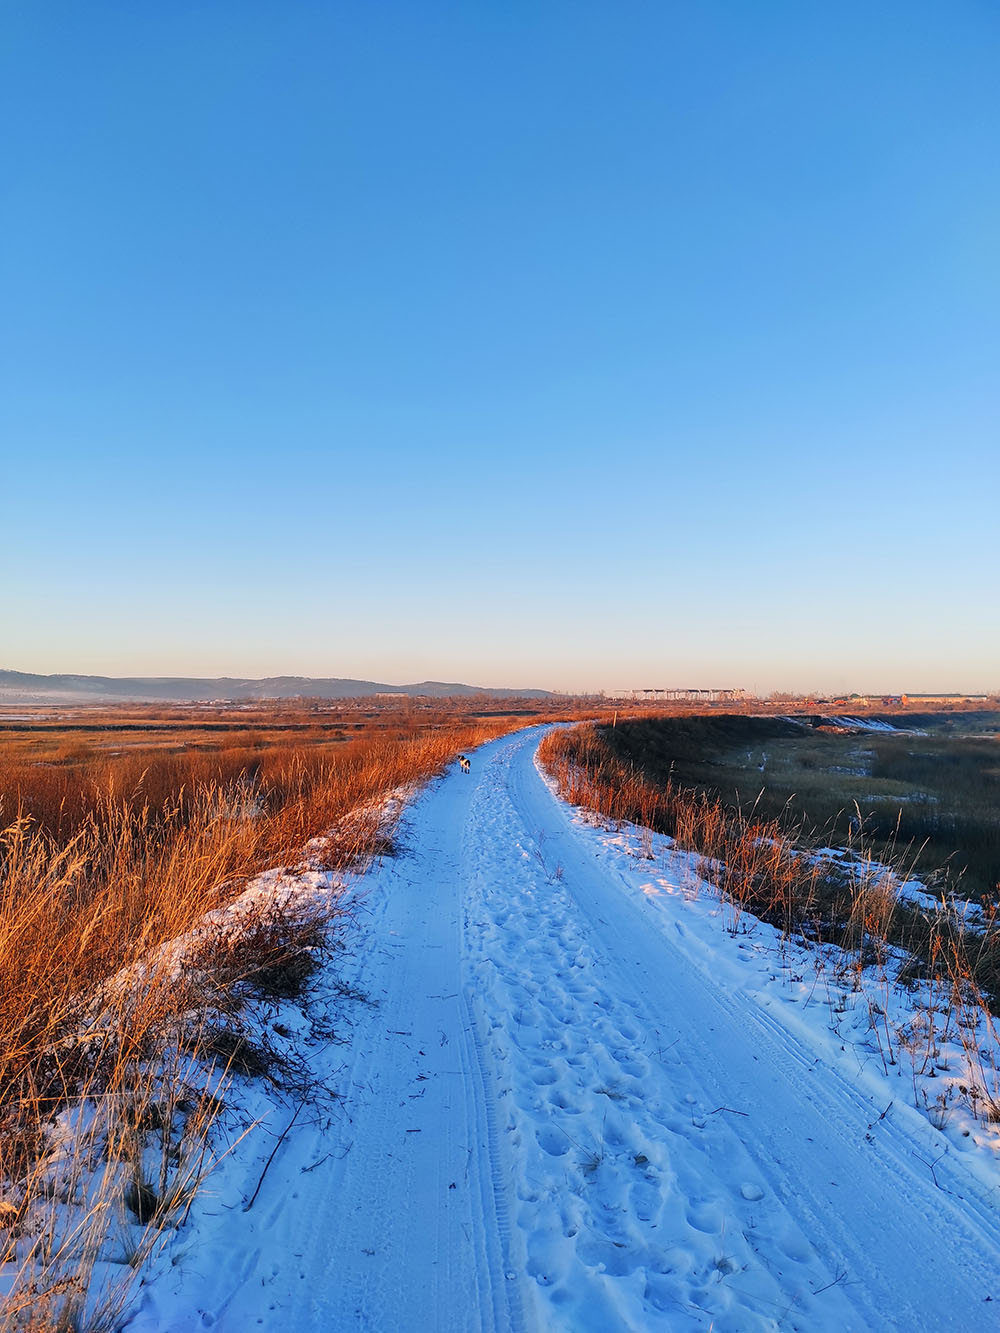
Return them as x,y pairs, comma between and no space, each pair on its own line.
24,687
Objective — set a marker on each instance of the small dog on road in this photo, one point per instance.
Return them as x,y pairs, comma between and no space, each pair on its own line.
465,765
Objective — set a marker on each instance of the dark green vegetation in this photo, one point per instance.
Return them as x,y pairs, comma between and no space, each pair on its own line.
765,868
935,787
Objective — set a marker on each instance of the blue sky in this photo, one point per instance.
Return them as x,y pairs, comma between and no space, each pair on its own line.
565,344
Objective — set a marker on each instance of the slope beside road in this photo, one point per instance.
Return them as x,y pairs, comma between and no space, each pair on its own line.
558,1110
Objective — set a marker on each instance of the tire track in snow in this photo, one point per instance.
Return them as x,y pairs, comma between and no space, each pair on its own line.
915,1256
627,1220
385,1219
508,1314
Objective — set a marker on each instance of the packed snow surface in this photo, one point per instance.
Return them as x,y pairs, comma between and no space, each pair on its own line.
573,1099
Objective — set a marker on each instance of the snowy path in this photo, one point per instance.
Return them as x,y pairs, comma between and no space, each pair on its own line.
556,1118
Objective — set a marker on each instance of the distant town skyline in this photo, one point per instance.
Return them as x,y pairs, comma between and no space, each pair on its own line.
573,346
36,687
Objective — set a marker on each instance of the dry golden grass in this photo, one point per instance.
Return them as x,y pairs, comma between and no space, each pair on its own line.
58,765
125,856
752,861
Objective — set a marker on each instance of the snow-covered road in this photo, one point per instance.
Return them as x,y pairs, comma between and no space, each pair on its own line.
561,1110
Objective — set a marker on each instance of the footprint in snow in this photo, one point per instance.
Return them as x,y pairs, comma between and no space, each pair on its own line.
544,1076
552,1141
705,1217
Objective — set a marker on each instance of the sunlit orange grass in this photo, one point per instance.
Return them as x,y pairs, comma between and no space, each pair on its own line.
62,778
753,862
73,783
74,914
86,999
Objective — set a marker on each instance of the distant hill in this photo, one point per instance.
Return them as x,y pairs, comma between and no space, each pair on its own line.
20,687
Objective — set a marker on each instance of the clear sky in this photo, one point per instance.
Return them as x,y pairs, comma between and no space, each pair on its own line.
570,344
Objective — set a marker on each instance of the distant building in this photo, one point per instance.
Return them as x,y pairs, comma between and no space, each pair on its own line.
689,695
920,700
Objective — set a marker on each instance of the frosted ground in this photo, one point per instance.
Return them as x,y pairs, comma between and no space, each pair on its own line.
555,1087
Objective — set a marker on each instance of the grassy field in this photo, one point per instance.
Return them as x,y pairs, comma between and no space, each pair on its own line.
935,787
56,762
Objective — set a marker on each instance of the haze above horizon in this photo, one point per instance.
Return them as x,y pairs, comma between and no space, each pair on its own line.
571,346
